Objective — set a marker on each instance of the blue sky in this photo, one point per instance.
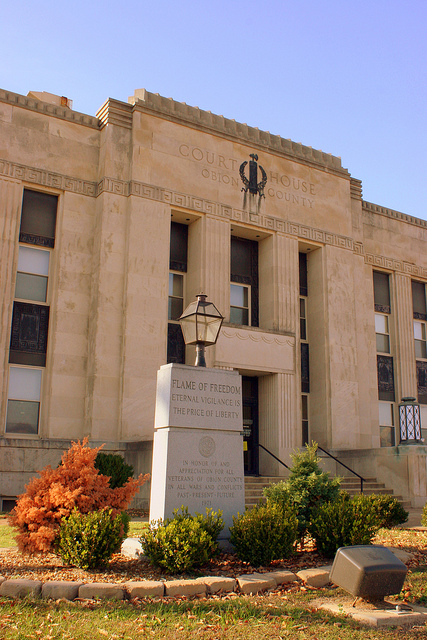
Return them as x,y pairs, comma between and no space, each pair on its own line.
349,78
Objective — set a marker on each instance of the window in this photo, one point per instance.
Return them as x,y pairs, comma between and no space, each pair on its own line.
382,292
178,267
30,316
304,348
304,414
32,275
303,318
386,420
240,304
176,296
382,333
23,403
385,365
38,218
420,337
244,282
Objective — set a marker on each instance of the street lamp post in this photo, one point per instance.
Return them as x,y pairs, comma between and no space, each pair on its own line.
200,324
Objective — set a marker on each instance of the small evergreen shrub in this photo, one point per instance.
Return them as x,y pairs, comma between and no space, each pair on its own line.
183,542
390,512
113,466
75,483
306,488
424,516
88,540
264,533
344,522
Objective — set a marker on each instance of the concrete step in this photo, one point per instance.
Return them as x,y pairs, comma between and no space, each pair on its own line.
254,487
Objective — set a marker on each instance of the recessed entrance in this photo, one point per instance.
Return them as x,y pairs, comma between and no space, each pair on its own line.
250,425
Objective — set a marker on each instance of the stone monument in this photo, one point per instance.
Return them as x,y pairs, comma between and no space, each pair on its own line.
198,443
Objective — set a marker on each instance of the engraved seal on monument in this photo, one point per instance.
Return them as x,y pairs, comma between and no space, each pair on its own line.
207,446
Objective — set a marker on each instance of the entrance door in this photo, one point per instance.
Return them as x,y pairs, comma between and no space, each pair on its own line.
250,425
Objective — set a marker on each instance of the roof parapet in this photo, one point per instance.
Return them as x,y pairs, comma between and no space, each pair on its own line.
155,103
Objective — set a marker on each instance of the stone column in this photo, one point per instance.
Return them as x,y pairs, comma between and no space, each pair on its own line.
278,269
278,429
209,261
145,310
209,268
405,371
10,209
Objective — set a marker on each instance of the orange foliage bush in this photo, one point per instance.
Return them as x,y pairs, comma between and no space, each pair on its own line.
75,483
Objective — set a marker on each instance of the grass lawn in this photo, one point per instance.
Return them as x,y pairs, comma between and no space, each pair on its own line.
286,613
240,617
7,534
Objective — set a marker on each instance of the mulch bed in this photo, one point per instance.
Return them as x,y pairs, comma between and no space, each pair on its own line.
14,564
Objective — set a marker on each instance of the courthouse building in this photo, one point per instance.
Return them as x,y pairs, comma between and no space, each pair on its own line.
110,226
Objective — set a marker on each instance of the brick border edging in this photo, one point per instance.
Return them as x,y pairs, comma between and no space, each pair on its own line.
205,586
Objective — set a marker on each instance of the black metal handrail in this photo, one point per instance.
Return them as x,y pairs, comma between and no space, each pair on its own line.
273,456
362,480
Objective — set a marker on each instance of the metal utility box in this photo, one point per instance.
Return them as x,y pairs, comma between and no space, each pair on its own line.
370,571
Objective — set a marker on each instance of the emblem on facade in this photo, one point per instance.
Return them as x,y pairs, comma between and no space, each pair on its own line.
252,185
207,446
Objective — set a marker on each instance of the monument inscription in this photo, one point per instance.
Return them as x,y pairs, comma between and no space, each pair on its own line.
189,396
198,444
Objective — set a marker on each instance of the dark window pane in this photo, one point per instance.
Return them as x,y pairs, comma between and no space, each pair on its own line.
303,329
22,416
420,349
28,341
422,382
244,270
419,300
385,378
303,280
31,287
239,316
383,343
176,285
381,292
176,308
178,247
38,218
176,345
241,257
305,368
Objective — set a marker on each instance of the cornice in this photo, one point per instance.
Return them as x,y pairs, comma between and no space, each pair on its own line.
400,266
355,189
369,207
45,108
33,175
47,178
154,104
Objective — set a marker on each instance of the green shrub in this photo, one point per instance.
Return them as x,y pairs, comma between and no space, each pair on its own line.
424,516
183,542
306,488
390,512
264,533
113,466
88,540
344,522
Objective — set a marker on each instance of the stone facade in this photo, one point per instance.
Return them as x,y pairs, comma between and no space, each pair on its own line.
120,179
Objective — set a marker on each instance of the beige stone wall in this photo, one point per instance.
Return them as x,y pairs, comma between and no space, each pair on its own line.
120,181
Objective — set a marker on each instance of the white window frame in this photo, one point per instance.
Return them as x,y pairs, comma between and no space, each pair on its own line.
422,340
248,308
182,275
378,318
30,391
